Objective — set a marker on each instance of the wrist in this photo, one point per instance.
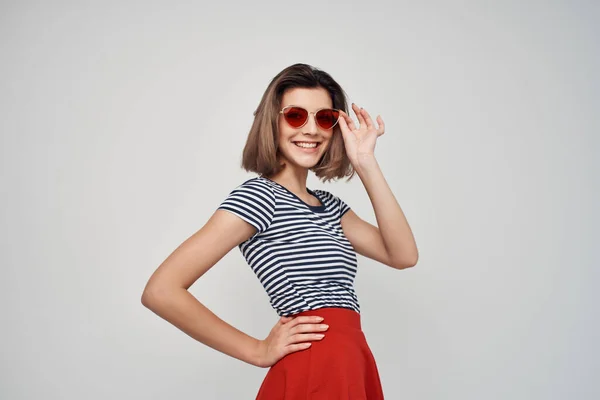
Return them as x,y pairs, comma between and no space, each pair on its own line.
365,163
256,353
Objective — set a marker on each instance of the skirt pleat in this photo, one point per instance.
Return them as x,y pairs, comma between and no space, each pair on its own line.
340,366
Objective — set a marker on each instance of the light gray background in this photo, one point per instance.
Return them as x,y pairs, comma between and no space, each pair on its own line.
122,130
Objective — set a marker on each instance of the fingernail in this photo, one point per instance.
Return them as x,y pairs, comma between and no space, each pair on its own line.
320,319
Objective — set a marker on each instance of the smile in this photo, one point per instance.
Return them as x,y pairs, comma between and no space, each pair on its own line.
307,145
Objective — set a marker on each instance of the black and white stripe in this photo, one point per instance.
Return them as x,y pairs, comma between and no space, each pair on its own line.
299,252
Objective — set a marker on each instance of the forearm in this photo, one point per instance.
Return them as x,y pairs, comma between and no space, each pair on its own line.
182,309
393,226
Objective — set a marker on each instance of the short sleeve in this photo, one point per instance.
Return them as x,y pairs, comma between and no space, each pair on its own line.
254,202
344,208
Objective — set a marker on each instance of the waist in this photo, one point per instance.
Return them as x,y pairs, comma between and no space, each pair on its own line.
335,317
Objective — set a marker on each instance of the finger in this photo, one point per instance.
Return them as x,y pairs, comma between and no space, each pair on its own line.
304,319
295,347
348,120
344,128
304,324
368,119
361,119
305,337
381,129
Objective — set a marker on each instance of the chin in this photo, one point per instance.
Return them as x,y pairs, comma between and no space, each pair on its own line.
300,163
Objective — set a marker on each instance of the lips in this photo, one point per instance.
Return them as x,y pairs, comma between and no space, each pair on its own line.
307,149
311,145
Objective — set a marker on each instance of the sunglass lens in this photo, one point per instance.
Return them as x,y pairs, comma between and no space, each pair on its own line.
295,116
327,118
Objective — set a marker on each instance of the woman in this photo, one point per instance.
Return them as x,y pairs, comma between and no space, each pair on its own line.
300,243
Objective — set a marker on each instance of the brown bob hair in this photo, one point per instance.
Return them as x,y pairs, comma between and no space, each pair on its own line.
261,153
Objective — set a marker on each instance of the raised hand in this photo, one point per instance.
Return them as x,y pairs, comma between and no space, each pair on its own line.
360,142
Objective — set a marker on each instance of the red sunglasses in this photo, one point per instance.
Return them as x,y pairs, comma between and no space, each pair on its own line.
297,117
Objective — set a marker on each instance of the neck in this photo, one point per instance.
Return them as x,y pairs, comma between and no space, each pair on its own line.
292,179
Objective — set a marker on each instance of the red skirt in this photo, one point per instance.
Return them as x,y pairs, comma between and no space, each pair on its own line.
338,367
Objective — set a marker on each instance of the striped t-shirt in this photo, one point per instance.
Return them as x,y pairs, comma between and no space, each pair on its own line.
299,252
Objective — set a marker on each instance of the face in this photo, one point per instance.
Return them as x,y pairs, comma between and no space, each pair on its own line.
290,138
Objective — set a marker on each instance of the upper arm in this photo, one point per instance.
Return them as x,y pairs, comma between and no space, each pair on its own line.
365,238
197,254
247,211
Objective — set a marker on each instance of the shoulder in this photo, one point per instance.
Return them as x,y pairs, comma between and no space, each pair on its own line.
326,195
254,192
256,188
253,201
257,185
333,201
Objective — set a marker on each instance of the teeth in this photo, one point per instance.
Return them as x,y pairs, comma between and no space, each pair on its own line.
306,145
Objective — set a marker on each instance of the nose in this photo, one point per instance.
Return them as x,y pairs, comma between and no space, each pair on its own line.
311,124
